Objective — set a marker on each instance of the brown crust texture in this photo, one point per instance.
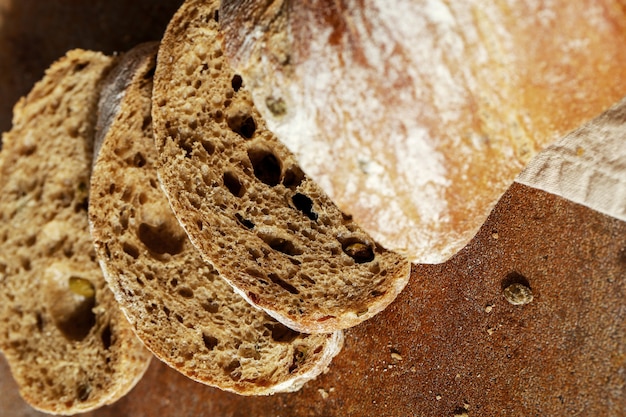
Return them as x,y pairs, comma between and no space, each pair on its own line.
416,117
177,303
245,203
69,346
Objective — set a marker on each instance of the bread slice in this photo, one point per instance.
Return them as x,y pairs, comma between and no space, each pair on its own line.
240,194
177,303
68,344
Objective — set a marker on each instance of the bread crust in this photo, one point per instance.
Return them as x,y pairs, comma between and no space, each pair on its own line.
69,346
416,117
244,201
177,304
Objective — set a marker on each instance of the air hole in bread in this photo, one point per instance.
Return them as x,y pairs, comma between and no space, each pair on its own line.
232,369
242,124
130,250
185,292
307,278
377,293
267,167
74,319
305,205
236,82
209,341
244,222
216,16
293,177
211,307
234,184
112,188
39,321
283,284
161,239
281,333
298,358
83,391
80,66
187,147
147,121
139,160
25,264
209,147
358,250
106,337
280,244
31,240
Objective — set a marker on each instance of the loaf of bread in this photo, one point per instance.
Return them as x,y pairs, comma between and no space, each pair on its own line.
271,232
177,303
416,116
69,346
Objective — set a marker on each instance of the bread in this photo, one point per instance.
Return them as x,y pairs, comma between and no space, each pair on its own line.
269,230
68,345
416,117
178,305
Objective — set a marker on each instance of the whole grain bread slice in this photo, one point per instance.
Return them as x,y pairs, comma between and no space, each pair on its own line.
178,305
247,206
68,344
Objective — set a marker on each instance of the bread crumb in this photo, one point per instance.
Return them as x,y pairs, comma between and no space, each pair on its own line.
490,330
489,308
396,356
438,397
495,235
323,393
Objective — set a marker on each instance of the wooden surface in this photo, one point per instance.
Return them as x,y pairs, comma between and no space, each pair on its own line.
450,344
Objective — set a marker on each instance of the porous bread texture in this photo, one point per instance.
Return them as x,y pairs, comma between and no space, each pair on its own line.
416,116
178,305
247,206
68,345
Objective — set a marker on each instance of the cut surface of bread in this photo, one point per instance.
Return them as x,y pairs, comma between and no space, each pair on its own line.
415,116
69,346
244,201
177,303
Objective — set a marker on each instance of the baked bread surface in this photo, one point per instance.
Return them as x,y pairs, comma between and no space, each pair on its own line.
177,303
244,201
416,116
69,346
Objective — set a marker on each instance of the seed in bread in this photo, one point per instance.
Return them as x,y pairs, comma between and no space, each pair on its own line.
68,345
246,204
178,305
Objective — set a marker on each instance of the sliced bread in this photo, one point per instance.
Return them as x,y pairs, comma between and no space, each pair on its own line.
68,345
247,206
178,305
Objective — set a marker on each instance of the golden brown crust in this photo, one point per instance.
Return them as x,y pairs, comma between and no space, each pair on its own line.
429,109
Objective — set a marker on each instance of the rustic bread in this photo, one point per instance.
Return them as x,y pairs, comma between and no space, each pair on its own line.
415,118
178,305
68,344
243,199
